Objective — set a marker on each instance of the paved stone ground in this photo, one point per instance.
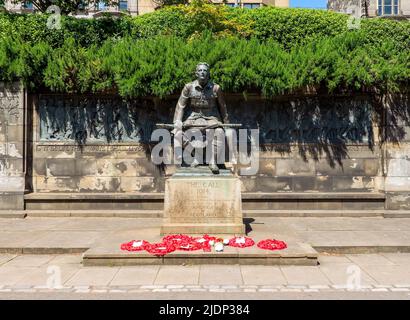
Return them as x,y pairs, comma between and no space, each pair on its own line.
383,275
86,232
343,274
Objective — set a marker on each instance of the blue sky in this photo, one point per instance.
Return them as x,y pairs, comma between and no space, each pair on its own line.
308,3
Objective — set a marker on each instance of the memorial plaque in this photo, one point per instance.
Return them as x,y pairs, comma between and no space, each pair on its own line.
197,201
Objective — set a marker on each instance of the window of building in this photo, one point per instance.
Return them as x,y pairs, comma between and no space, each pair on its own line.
230,4
28,5
102,5
251,5
123,5
82,5
388,7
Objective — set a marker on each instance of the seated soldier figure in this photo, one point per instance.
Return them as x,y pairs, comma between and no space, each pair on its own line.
208,108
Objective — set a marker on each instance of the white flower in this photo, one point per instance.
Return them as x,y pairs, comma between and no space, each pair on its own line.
137,244
240,240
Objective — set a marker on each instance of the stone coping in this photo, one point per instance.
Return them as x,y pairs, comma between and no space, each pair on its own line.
94,196
245,196
247,213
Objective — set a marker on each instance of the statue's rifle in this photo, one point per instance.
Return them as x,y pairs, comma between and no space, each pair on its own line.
201,126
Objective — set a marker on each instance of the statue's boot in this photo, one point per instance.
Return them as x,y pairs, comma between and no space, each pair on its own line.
214,168
194,163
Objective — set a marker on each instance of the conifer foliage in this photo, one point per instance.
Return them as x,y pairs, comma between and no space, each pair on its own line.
270,51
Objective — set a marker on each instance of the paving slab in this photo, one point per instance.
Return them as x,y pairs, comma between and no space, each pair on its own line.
23,261
92,277
177,275
398,258
66,239
220,275
66,259
369,259
262,275
298,275
342,274
18,239
102,224
31,224
137,275
325,259
6,258
11,275
48,277
393,275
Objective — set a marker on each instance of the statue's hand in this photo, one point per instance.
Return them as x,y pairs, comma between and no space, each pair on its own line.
177,127
226,120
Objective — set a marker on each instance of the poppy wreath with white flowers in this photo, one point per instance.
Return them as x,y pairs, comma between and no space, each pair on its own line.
272,244
177,239
160,249
192,246
235,243
204,241
183,242
134,245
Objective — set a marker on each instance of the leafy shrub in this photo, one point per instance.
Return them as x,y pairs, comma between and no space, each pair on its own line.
268,50
161,65
288,27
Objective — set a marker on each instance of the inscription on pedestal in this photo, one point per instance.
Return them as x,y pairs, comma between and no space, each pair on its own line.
203,204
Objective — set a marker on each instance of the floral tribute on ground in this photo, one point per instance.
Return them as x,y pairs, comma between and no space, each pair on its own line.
183,242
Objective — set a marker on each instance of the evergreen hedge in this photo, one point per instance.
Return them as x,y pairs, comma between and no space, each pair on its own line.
161,65
271,51
289,27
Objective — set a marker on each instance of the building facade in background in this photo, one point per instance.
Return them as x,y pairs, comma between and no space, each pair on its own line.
137,7
373,8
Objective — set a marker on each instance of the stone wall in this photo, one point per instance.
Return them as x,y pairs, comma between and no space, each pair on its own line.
346,6
89,144
100,145
12,169
308,144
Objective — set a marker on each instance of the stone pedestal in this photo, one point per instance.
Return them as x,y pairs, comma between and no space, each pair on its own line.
198,202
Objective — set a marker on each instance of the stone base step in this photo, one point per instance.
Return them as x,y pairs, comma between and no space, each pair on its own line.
296,254
13,214
342,201
42,250
95,213
363,249
312,213
105,196
246,213
397,214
